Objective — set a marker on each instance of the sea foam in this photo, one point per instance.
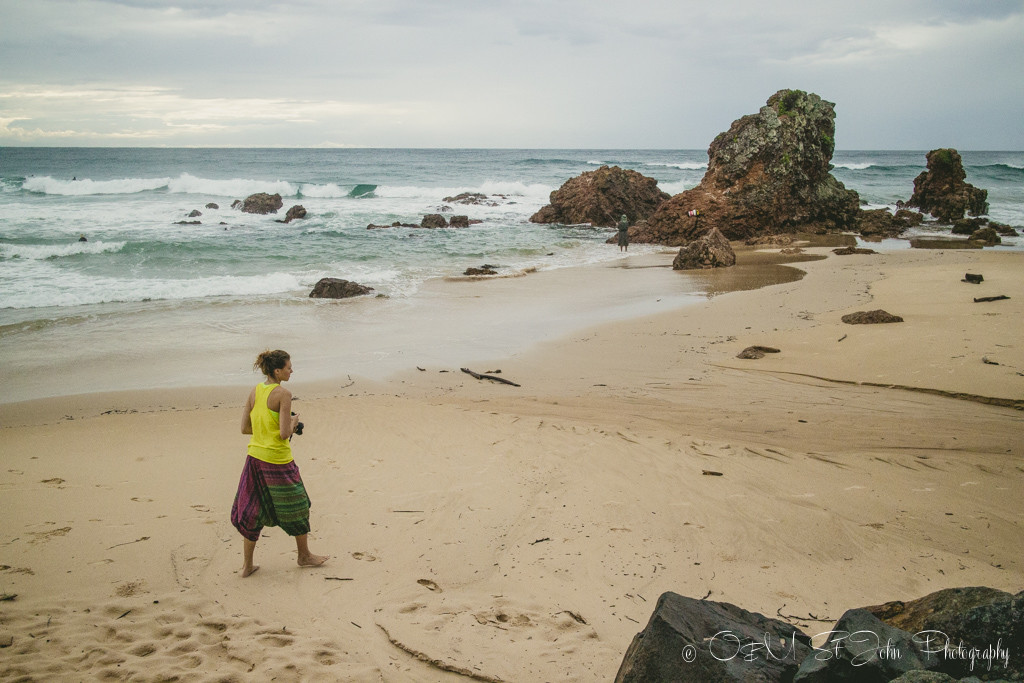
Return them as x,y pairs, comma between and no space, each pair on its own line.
40,252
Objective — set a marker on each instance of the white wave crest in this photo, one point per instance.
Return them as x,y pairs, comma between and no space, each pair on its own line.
38,252
75,188
682,165
80,289
328,191
518,189
676,187
238,188
854,166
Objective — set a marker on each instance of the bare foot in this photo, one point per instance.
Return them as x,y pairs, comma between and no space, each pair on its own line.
249,571
312,560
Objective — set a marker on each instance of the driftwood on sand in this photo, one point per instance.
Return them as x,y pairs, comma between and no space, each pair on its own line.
477,375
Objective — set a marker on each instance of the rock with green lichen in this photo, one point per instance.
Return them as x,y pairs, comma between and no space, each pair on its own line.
769,173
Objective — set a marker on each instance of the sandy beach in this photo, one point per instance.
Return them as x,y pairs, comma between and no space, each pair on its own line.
499,533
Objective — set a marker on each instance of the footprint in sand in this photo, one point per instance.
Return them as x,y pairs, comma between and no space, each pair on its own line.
430,585
364,556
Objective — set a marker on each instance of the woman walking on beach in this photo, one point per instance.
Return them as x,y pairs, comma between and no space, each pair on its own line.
270,491
623,233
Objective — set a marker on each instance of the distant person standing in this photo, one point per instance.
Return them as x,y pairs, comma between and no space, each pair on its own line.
270,491
623,233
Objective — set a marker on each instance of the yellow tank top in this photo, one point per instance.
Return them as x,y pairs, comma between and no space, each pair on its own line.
266,443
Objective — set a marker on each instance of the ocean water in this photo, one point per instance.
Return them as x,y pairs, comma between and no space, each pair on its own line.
140,275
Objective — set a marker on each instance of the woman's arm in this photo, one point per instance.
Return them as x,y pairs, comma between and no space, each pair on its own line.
286,420
246,419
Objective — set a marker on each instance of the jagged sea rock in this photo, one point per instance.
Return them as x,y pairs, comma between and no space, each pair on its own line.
396,224
710,250
336,288
987,235
212,205
601,197
297,211
942,191
769,173
679,644
262,203
460,221
966,226
879,223
434,220
195,213
475,198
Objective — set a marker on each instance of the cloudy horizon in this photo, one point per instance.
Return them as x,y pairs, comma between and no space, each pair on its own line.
656,74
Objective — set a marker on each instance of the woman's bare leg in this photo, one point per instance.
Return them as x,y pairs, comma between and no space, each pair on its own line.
306,558
248,549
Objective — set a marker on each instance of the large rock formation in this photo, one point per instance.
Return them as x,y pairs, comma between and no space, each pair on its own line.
601,197
769,173
941,190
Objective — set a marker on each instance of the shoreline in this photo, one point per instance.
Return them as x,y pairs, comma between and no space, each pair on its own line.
451,321
470,523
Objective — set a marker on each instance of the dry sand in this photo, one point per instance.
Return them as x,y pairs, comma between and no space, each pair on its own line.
524,534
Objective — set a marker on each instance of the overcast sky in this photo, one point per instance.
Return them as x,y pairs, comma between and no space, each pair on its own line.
904,74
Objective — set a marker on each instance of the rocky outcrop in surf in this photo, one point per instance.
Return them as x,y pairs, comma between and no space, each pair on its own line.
769,173
262,203
336,288
942,190
601,197
294,213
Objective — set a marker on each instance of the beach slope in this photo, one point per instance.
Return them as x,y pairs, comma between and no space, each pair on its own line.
485,531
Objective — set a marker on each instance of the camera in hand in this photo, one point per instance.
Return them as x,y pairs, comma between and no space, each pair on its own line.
298,427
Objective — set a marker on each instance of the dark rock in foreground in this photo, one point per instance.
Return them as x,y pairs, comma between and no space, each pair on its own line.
969,634
710,250
863,649
769,173
979,621
941,190
336,288
870,318
702,641
601,197
262,203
